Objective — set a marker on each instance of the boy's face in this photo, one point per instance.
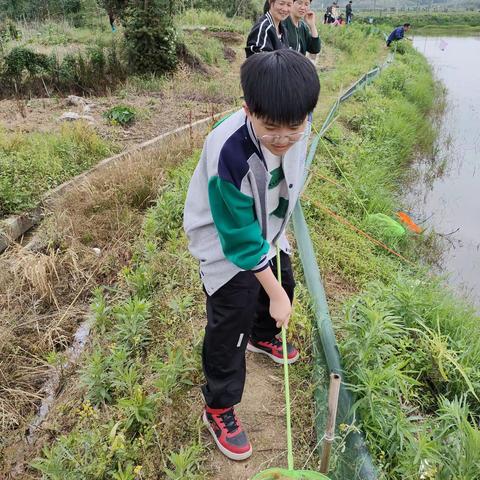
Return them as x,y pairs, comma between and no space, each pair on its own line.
281,9
276,138
300,8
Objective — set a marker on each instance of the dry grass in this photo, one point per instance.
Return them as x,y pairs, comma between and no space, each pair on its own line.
44,294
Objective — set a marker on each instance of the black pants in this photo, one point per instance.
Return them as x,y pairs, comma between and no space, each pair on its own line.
238,310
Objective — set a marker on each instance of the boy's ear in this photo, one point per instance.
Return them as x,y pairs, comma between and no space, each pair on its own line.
247,111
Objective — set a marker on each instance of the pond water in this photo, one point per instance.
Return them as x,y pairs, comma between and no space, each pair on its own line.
447,191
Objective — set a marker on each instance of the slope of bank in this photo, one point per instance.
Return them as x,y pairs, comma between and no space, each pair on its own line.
410,347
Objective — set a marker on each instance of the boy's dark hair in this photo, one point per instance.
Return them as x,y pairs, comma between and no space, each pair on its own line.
406,24
281,86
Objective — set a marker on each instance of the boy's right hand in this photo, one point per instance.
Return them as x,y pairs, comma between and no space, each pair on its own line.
280,308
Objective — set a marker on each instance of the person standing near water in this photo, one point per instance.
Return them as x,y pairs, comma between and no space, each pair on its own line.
301,28
268,34
398,33
348,12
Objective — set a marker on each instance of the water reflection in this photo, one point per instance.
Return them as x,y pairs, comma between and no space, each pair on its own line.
447,188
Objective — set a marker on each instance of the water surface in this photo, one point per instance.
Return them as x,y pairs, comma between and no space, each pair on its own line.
447,191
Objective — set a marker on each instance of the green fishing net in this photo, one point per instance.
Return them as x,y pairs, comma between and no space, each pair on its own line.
284,474
385,229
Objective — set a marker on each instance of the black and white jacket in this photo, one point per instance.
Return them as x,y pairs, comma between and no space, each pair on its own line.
264,38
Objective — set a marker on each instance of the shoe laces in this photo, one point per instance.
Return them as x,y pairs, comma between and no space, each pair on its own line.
276,342
229,420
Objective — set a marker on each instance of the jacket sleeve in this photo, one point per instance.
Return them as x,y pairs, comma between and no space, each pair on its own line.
313,44
238,229
258,40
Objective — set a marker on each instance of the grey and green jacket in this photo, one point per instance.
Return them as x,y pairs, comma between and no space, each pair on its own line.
225,216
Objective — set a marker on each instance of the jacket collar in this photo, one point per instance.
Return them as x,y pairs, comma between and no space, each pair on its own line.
270,18
253,138
281,28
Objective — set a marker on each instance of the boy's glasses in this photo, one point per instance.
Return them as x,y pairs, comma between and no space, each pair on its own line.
277,139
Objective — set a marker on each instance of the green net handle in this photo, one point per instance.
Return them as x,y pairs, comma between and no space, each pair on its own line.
286,378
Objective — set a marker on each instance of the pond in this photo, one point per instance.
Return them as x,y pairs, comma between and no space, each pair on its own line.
446,191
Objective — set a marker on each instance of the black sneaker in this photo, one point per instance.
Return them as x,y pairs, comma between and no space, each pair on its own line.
273,348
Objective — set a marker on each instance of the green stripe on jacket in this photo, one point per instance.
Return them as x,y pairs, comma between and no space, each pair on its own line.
238,228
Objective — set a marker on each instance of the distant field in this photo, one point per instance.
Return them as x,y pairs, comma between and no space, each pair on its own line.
457,20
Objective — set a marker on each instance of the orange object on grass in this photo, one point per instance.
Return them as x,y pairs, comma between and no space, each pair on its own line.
406,219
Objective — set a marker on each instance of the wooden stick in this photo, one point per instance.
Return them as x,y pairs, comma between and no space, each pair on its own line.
333,393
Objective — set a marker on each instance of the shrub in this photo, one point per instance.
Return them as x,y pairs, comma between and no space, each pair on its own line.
20,60
150,36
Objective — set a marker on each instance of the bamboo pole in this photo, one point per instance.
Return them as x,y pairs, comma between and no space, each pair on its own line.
333,393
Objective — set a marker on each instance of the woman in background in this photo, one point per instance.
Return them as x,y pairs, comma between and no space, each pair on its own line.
268,34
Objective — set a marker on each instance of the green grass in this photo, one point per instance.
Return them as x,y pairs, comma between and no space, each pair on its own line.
61,33
412,351
213,21
208,49
448,30
31,164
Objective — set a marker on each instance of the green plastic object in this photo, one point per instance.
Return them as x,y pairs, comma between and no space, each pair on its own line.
284,474
386,225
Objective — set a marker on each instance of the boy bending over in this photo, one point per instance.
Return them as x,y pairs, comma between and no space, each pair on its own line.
239,201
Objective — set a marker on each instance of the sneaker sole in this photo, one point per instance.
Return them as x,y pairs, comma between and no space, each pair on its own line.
227,453
254,349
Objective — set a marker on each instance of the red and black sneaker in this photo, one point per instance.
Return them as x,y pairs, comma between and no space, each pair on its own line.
273,348
227,432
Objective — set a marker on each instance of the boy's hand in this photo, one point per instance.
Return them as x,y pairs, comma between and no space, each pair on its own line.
280,306
310,19
281,309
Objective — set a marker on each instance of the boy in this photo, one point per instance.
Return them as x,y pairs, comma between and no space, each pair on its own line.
302,29
239,201
398,33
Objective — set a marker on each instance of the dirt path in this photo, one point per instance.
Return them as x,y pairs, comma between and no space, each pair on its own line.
262,413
